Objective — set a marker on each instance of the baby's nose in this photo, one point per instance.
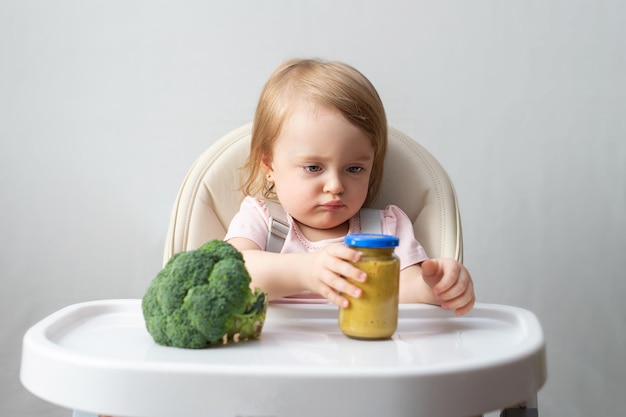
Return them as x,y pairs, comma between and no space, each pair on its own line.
333,184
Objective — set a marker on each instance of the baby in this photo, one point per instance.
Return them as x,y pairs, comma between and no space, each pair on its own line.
319,139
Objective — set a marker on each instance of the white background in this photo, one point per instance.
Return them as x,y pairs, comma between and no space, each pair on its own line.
104,105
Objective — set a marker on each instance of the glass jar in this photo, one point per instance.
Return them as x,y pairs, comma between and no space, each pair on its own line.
374,315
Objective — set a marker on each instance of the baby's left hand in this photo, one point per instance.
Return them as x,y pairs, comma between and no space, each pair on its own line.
451,284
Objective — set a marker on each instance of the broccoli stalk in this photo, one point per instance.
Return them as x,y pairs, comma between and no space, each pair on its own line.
247,325
202,297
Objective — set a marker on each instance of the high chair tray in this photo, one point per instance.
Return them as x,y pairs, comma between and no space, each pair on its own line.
98,357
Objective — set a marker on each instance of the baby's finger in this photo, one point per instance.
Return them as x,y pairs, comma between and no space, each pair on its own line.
334,292
466,308
335,298
461,305
460,298
341,285
342,267
452,273
343,252
459,288
431,272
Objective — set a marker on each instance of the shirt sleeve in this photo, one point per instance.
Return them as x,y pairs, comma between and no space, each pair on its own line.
250,222
397,223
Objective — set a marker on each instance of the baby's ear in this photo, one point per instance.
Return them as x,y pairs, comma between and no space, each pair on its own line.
266,164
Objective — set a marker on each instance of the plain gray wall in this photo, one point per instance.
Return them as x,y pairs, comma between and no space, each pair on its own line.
104,105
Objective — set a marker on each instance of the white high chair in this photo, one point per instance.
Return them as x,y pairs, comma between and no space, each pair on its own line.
98,356
413,180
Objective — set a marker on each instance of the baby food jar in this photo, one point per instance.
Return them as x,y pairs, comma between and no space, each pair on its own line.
374,315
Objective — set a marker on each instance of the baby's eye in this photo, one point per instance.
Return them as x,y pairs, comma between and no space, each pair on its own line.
312,168
355,169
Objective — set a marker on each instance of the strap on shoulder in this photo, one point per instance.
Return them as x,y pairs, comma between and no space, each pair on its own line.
278,227
370,220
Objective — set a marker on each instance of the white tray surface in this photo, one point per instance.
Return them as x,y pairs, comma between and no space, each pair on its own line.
298,341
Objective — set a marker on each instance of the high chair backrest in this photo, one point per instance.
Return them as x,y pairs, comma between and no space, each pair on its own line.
413,180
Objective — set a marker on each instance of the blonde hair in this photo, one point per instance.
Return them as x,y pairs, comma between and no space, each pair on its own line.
333,85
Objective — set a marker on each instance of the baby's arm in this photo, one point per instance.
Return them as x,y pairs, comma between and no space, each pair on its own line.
321,272
444,282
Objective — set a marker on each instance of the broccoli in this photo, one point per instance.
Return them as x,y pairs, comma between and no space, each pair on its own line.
203,297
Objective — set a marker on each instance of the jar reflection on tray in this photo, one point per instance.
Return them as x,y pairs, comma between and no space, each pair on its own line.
374,315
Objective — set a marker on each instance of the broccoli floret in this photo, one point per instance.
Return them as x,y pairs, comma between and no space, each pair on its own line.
203,297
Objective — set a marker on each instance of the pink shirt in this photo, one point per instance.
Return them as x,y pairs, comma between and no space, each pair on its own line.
251,222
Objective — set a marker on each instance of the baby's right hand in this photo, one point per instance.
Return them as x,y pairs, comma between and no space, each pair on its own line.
327,272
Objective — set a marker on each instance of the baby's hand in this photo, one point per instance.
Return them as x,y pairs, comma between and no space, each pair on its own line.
451,283
328,271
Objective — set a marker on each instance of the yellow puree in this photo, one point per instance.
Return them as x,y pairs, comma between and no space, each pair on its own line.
375,314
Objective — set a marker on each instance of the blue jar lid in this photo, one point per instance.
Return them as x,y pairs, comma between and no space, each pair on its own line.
371,240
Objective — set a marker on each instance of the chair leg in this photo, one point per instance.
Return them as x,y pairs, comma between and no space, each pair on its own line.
520,412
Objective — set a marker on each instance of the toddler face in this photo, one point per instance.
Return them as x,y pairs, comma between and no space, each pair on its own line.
321,165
